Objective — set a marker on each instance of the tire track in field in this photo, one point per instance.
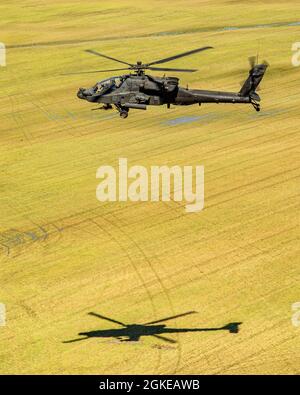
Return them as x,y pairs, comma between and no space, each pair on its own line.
166,292
263,252
210,139
208,206
263,359
115,238
237,224
19,125
181,206
183,214
253,356
222,192
177,273
248,140
159,281
185,31
228,266
41,109
204,239
275,325
134,124
212,196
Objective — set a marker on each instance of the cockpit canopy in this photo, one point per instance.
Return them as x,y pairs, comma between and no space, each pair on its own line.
105,86
109,84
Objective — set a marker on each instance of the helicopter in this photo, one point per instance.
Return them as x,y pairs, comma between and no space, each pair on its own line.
137,90
133,332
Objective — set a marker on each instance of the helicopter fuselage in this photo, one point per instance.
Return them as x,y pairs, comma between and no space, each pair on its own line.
140,90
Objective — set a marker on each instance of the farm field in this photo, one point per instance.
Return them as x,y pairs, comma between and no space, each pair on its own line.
63,254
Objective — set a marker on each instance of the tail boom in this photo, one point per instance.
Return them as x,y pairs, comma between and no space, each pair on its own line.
246,95
202,96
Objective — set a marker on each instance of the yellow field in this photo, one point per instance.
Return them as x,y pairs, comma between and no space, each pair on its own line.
64,254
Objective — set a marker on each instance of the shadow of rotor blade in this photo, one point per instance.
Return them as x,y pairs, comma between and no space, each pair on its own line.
171,318
166,339
75,340
107,319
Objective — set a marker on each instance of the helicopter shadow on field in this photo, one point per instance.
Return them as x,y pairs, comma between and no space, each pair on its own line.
205,118
134,332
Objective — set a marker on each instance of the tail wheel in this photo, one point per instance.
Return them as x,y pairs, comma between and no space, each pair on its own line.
123,114
255,105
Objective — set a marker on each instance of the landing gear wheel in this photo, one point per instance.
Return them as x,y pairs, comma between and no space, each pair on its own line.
107,107
123,114
123,111
255,105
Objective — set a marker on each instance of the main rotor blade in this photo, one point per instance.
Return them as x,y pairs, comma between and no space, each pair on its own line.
170,69
179,55
166,339
107,319
94,71
171,318
107,57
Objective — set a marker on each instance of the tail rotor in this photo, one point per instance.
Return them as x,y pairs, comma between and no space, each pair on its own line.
251,85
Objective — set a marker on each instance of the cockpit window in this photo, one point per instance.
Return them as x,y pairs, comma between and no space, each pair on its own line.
118,81
107,85
111,82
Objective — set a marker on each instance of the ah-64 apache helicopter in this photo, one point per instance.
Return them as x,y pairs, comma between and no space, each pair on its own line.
138,90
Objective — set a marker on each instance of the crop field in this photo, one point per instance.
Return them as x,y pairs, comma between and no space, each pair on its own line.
229,272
